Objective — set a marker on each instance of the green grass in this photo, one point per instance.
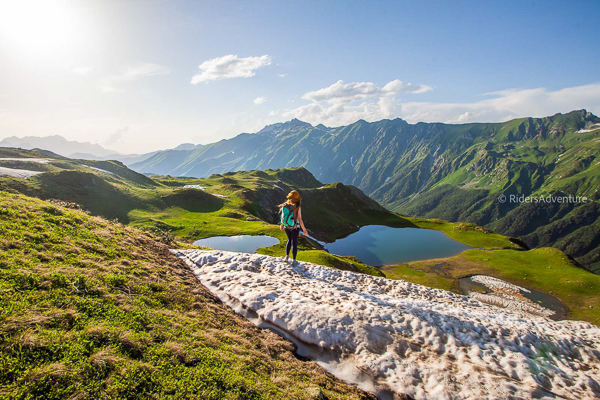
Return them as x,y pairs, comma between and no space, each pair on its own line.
469,234
93,309
547,270
422,277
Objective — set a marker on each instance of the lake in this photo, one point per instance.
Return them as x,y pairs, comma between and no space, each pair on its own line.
240,243
378,245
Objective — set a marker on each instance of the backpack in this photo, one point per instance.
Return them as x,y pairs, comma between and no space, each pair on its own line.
287,216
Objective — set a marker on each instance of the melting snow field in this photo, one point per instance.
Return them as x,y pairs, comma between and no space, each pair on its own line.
18,173
507,295
36,160
427,343
22,173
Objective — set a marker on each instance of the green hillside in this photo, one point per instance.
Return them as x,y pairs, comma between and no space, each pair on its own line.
434,170
229,204
93,309
245,202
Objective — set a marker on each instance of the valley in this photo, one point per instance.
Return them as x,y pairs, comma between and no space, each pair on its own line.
99,244
434,170
245,203
322,200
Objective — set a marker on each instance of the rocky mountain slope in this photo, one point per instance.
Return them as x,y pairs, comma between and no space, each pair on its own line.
453,172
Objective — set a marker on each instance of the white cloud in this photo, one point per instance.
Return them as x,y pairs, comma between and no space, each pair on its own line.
507,104
133,72
116,137
229,66
282,75
141,70
260,100
342,104
342,93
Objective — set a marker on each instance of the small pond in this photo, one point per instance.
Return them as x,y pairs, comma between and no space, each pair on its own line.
240,243
378,245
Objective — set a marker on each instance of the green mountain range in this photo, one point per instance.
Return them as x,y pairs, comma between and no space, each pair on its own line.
178,211
435,170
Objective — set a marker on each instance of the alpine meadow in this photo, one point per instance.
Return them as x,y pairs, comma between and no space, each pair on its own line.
299,200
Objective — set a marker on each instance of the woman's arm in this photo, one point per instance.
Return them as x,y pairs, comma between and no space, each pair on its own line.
301,222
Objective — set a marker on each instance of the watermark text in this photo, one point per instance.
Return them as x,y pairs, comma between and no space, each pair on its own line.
549,199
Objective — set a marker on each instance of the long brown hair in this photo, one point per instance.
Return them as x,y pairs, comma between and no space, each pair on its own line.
293,199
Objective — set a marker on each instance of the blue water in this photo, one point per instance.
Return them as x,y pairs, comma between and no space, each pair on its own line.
241,243
381,245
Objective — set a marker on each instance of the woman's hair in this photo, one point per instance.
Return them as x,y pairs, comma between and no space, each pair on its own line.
293,199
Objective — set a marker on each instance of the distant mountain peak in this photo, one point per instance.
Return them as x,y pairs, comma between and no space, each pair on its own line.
297,122
185,146
280,126
56,144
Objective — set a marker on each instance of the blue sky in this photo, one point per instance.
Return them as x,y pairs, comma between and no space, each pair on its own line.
120,73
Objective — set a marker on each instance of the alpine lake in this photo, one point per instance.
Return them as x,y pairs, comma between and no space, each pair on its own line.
374,245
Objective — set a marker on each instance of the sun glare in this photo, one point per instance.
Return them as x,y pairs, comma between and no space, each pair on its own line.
39,28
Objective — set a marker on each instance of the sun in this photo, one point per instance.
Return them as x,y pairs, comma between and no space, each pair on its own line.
39,27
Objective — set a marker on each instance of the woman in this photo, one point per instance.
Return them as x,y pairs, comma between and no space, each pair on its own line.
291,222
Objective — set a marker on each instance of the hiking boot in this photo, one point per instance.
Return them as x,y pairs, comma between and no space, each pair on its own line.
286,259
294,263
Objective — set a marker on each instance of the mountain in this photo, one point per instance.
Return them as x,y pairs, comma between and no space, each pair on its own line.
126,159
450,171
57,144
245,203
185,146
79,150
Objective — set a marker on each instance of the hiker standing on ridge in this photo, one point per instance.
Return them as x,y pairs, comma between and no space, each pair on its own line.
291,222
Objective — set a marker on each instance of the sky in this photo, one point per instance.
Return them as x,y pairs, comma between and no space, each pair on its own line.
136,76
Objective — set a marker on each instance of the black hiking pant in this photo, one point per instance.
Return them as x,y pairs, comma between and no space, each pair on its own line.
292,243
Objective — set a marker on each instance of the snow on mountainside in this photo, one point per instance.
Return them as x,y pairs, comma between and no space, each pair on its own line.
423,342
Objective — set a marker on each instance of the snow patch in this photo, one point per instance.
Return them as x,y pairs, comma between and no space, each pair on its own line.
194,187
558,158
278,187
35,160
495,283
98,169
507,295
219,195
592,128
427,343
18,173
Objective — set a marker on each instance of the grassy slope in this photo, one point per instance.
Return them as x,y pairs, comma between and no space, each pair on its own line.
327,216
547,270
92,309
190,214
533,157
